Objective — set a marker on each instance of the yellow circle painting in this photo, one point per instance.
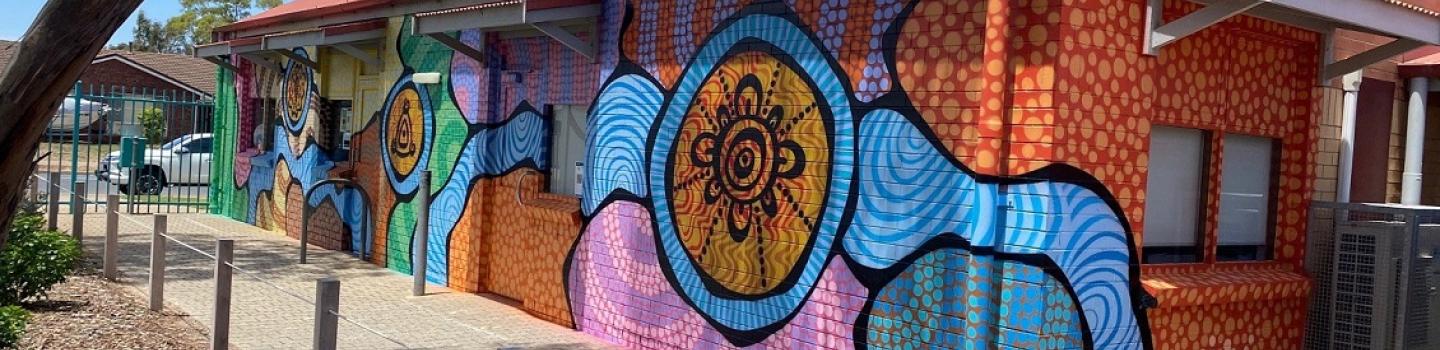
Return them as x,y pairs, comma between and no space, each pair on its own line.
405,131
750,168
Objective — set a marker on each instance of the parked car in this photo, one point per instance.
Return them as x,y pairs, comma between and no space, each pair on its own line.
90,112
182,161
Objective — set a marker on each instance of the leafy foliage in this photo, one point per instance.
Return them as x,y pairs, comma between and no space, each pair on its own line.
152,120
193,26
12,325
154,36
35,259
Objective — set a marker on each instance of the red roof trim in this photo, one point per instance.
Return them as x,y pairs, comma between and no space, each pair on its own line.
355,27
316,8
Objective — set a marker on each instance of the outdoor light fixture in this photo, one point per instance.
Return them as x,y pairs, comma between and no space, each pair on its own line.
426,78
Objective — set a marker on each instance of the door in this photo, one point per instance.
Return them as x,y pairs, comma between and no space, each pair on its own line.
1372,141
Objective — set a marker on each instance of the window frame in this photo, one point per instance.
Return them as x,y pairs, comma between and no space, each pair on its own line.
1209,252
1202,209
1272,207
552,116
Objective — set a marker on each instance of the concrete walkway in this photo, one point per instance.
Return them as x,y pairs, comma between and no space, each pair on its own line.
264,317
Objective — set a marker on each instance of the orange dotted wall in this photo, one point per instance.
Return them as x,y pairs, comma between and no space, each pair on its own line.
1244,76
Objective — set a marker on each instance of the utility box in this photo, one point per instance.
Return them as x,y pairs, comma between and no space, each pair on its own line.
132,152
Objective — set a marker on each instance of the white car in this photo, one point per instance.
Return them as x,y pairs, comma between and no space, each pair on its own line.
184,160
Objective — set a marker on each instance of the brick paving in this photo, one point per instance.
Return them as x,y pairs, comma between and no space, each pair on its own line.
266,318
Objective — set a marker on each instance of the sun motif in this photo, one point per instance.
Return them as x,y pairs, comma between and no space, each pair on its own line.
297,95
750,169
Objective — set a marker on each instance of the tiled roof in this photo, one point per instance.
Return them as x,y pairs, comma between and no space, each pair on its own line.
300,9
191,71
195,72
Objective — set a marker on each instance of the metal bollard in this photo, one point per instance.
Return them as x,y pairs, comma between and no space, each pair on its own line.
77,213
112,237
157,264
327,310
220,328
54,207
422,239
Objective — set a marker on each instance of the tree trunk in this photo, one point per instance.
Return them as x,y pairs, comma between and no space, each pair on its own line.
58,47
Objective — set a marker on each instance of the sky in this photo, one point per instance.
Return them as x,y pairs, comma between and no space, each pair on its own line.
17,15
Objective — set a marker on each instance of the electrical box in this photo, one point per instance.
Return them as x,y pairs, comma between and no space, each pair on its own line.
132,152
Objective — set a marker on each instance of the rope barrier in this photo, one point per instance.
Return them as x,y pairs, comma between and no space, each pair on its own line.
253,275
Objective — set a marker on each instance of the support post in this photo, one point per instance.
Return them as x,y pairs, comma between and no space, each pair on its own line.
53,188
157,263
1410,178
77,213
220,327
422,236
327,310
34,196
112,236
1351,84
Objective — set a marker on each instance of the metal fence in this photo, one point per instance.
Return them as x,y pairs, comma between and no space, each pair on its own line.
1377,282
82,144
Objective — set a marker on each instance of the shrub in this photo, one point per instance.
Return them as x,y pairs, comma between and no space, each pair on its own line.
34,259
152,120
12,325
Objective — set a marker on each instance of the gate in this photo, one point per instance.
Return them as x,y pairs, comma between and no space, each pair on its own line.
82,143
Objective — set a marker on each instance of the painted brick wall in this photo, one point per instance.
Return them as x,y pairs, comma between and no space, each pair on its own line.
799,174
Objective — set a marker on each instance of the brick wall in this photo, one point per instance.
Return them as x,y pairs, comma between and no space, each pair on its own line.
800,174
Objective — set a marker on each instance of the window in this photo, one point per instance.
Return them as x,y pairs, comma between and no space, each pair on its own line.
1174,195
567,149
199,145
1246,189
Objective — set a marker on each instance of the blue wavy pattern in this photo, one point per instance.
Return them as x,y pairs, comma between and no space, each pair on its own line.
492,151
910,193
1090,245
751,314
619,125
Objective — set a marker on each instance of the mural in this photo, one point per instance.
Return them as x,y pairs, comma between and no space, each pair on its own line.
797,174
757,165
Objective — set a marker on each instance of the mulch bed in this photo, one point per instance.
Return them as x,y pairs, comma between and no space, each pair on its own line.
87,312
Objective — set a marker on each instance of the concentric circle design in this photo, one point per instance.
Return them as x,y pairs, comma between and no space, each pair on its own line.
750,172
298,87
750,166
406,133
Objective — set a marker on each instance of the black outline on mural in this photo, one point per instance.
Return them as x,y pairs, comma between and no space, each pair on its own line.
874,280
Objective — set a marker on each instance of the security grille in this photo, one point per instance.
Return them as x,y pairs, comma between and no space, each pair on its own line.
1371,264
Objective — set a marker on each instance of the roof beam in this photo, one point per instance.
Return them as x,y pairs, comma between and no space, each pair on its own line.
458,46
1361,60
395,10
260,61
288,53
1374,16
222,63
359,54
1161,35
292,40
213,50
498,14
566,38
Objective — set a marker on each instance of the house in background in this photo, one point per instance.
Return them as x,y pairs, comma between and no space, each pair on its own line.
125,82
878,174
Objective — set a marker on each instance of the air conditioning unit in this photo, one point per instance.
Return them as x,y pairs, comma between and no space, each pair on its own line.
1375,277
